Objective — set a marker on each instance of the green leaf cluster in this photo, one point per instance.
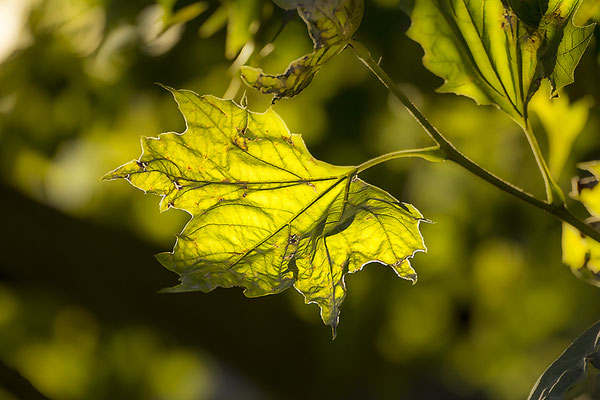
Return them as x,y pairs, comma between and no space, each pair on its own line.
498,53
266,215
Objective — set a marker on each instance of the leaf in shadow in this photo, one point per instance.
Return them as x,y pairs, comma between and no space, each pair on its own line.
575,372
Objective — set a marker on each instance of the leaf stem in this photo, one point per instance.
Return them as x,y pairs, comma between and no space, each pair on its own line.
434,154
554,193
445,147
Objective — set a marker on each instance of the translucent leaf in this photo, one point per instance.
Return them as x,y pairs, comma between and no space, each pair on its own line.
580,252
331,24
563,121
266,215
496,54
575,372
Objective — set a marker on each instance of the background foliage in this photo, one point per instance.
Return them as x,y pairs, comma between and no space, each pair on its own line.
79,312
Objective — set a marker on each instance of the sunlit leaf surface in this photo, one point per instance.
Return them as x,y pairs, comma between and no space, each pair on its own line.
496,54
266,215
331,24
580,252
575,373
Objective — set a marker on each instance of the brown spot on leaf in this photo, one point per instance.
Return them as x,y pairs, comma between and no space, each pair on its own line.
240,143
289,140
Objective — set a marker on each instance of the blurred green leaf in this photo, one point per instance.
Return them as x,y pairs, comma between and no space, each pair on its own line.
290,4
216,21
498,54
266,215
184,14
331,25
563,121
575,372
589,10
243,17
581,253
167,6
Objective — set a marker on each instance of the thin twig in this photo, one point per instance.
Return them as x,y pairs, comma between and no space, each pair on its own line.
558,209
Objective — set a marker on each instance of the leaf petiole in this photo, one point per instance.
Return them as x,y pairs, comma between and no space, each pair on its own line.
555,207
433,154
554,193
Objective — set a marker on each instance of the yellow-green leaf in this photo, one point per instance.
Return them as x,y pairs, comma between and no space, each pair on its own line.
331,24
266,215
563,121
580,252
496,53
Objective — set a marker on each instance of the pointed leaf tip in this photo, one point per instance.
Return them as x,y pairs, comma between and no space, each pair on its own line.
249,74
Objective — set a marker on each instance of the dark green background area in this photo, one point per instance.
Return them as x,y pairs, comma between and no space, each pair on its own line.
80,316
